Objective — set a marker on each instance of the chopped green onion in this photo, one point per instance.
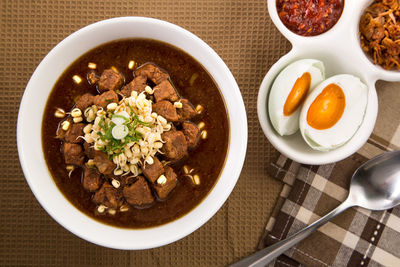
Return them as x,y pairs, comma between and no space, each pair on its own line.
119,131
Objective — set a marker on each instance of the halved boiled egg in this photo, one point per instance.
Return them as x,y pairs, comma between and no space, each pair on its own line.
333,112
289,91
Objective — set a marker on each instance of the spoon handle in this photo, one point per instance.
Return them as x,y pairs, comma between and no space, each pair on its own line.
268,254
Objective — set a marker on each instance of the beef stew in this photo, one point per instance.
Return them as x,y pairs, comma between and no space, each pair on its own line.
154,189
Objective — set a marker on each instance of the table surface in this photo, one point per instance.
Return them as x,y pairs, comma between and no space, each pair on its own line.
245,38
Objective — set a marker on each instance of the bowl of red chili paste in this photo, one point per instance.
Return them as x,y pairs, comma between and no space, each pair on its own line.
309,17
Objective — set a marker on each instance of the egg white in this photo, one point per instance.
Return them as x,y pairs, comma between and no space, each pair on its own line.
356,97
281,88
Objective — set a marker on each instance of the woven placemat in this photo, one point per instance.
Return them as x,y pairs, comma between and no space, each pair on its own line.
245,38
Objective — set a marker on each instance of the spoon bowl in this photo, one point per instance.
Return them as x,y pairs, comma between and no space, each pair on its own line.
375,185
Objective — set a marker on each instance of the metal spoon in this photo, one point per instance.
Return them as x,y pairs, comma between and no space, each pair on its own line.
375,185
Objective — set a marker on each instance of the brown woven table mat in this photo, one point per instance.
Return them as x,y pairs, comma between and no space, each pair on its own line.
245,38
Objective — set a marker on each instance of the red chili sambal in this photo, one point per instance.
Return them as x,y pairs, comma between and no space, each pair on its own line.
309,17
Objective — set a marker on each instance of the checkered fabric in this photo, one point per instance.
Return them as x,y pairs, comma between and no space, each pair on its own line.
358,237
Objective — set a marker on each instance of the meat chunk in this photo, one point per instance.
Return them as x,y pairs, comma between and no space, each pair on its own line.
164,189
153,171
110,80
73,154
91,179
192,133
138,84
175,146
85,101
108,196
165,91
106,98
138,193
152,72
103,163
89,150
75,130
166,109
187,112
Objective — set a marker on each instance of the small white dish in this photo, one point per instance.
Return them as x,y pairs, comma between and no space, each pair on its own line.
339,48
29,126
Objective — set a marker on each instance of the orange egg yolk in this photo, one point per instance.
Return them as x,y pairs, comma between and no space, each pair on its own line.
327,108
298,94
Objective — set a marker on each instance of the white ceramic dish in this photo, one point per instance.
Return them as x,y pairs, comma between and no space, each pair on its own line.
340,50
30,123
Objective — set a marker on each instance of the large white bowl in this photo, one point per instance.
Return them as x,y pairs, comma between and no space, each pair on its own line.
30,122
339,48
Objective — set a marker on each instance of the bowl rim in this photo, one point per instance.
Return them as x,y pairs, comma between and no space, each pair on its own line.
42,185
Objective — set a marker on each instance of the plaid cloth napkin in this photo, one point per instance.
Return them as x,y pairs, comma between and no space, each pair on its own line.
358,237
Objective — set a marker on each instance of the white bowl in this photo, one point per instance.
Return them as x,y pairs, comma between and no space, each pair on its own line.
30,123
340,50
